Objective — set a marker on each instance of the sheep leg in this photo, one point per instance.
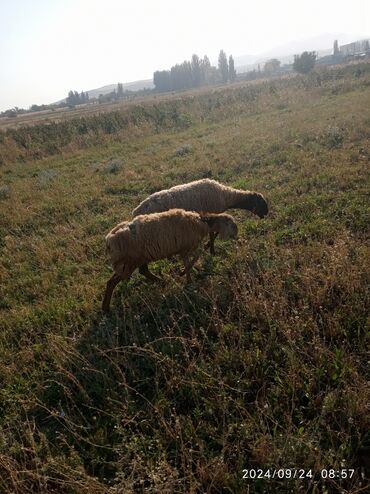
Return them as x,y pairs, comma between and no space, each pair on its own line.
212,237
111,285
211,243
189,262
144,270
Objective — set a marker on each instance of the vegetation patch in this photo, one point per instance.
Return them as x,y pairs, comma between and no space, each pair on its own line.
260,363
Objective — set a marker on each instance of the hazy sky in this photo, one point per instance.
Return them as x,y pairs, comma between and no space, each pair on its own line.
48,47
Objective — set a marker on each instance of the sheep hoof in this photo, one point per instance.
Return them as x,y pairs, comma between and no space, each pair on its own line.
144,270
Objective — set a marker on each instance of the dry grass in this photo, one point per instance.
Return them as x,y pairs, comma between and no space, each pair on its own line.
262,362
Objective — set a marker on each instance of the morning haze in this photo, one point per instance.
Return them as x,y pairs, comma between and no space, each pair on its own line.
49,48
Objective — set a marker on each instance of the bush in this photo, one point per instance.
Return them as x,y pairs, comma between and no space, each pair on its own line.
304,63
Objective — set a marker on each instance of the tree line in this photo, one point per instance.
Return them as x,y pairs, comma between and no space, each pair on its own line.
75,98
195,73
190,74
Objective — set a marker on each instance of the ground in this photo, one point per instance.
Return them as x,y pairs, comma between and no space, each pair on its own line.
260,363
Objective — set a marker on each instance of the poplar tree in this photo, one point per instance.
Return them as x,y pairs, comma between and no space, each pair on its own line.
232,71
196,71
223,66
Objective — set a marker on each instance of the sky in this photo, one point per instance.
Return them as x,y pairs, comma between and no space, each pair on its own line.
48,47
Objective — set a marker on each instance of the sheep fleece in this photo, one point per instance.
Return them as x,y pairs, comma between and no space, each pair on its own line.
156,236
201,195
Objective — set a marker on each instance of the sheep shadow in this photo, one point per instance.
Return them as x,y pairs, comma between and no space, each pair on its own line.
117,368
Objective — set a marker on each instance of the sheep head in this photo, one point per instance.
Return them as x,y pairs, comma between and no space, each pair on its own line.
254,202
223,224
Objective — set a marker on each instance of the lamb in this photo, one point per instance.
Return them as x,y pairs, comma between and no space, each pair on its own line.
203,196
152,237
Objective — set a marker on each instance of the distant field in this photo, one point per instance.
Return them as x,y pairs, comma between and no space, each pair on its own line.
262,362
66,113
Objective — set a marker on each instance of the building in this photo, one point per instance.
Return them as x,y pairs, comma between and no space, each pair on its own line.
355,48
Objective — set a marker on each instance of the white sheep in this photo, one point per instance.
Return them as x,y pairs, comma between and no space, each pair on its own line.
203,196
152,237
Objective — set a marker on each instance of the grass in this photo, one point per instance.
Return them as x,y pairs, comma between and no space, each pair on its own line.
261,362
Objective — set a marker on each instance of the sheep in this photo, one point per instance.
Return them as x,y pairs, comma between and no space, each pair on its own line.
203,196
133,244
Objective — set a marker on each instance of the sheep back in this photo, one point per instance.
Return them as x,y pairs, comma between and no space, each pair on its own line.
155,236
200,195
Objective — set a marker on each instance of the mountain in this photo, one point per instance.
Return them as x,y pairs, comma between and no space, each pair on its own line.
244,60
323,44
129,86
313,43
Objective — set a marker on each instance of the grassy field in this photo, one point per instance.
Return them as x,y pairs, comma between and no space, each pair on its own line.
262,362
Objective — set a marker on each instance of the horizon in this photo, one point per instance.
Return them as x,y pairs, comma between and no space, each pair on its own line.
51,49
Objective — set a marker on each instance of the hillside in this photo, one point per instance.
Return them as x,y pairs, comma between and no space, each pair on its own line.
260,364
127,86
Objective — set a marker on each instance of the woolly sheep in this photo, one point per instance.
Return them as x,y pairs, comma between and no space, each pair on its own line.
203,196
152,237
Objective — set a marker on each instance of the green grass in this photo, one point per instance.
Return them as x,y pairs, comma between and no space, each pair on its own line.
261,362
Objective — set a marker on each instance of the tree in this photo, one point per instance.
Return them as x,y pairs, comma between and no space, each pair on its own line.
189,74
271,66
223,66
74,98
120,90
84,97
232,71
196,71
335,48
304,63
205,70
162,80
71,99
12,113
